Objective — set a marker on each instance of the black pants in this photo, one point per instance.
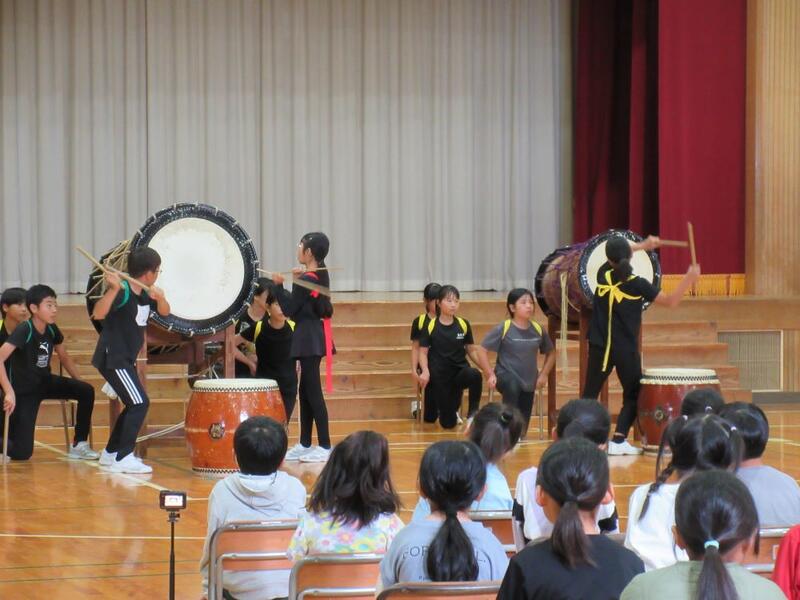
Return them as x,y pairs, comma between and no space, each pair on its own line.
288,388
22,423
629,371
312,403
127,386
513,394
446,392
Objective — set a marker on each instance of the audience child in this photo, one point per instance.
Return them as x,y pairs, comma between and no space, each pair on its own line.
446,546
577,562
258,492
701,443
702,401
716,524
776,494
353,504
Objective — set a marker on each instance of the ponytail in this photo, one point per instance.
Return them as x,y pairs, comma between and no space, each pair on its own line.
623,269
496,429
451,476
574,473
715,513
619,253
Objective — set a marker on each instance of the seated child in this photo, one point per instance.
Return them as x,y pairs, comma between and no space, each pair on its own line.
577,562
26,378
702,401
696,444
353,504
585,418
244,354
430,297
258,492
447,545
496,429
776,494
272,337
716,524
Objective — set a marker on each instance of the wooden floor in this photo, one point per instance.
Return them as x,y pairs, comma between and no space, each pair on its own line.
69,530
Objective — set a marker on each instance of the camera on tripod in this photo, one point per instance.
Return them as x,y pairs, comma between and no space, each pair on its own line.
172,501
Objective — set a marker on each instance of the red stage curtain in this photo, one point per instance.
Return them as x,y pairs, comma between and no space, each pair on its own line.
701,97
616,165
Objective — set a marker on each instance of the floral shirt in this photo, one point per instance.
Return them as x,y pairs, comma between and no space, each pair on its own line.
320,534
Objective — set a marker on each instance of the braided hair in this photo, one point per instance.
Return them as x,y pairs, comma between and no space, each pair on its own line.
699,443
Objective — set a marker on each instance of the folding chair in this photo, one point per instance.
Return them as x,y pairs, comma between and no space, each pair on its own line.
342,576
478,590
500,523
763,561
248,546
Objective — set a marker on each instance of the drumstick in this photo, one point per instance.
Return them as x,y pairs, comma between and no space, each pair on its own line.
107,269
302,283
674,243
5,436
307,271
691,243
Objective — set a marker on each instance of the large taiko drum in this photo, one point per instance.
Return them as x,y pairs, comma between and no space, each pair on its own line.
580,263
660,399
216,408
208,273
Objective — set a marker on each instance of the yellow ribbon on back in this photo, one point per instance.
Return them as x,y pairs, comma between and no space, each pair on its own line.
614,295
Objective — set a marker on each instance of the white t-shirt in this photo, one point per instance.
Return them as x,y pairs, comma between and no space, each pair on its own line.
536,524
651,536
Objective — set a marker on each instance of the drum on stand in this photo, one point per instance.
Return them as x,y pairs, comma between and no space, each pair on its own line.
580,263
216,408
660,399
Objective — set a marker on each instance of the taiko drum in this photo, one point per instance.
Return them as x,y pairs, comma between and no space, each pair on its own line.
660,399
216,408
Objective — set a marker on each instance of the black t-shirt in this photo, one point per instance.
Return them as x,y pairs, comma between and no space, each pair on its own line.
626,318
304,307
418,326
273,349
3,332
244,324
30,361
447,345
537,573
123,329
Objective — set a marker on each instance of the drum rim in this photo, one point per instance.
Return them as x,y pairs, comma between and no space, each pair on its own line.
678,371
583,278
212,325
244,385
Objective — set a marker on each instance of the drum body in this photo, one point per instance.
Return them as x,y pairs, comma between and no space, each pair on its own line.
580,264
660,399
216,408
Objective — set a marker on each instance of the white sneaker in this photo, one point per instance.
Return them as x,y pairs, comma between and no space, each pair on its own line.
82,451
4,460
298,450
318,455
622,449
107,458
130,464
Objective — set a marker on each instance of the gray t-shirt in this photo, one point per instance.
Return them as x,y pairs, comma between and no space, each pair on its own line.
777,496
516,352
405,560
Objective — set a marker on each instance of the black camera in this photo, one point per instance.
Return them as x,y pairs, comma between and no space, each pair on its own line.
172,500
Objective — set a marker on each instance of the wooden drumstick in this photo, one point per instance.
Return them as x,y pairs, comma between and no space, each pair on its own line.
306,271
674,243
107,269
302,283
5,436
691,243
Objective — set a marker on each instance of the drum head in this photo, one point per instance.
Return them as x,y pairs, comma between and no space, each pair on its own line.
645,264
208,266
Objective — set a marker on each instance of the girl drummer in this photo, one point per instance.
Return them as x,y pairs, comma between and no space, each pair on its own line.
245,354
311,311
614,328
517,341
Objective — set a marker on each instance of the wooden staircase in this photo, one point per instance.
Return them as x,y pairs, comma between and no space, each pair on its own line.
372,378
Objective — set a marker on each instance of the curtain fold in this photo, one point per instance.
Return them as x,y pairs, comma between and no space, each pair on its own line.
426,138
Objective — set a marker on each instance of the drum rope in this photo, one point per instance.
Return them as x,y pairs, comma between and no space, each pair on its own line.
160,432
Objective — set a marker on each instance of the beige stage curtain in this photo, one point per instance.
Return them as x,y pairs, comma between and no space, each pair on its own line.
430,140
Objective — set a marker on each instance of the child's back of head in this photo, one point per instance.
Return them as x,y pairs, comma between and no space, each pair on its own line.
496,429
586,418
702,401
752,425
451,476
699,443
714,513
574,473
260,444
355,486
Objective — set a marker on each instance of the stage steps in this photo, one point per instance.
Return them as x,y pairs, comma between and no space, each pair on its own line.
372,368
